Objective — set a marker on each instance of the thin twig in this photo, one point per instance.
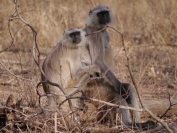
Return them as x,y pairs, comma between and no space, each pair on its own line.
55,122
133,80
88,34
13,16
128,65
14,74
10,108
100,101
35,46
171,104
37,61
161,121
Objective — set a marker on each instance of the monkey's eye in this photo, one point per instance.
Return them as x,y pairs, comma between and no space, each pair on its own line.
100,15
103,13
77,33
74,34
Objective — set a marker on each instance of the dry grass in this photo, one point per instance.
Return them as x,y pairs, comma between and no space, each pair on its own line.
149,27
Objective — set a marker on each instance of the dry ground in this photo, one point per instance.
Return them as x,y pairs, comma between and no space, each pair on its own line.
149,28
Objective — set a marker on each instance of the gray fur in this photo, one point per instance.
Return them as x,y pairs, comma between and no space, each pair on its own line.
97,44
62,65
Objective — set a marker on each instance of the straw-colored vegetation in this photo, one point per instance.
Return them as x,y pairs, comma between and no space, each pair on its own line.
150,32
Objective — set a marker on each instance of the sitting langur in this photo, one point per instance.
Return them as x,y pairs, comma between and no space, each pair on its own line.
63,65
106,92
102,54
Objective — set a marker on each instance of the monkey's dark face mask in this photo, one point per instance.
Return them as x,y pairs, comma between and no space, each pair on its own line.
104,17
76,37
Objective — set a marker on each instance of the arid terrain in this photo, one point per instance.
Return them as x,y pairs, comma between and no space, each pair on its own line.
150,35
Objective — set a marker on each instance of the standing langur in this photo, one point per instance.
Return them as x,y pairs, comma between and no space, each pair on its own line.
99,50
64,66
97,20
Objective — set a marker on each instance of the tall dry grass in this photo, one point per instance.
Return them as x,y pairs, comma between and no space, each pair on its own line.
154,20
149,27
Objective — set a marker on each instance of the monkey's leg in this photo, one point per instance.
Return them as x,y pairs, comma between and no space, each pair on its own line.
125,115
124,89
130,95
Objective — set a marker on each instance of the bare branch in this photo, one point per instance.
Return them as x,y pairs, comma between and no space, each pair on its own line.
171,104
14,74
10,108
35,46
100,101
165,125
96,31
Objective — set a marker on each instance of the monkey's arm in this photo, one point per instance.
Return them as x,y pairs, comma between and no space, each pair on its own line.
110,75
88,69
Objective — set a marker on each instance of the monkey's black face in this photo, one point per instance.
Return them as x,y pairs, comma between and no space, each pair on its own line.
76,37
103,17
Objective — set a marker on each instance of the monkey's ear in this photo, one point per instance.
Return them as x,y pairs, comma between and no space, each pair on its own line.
90,12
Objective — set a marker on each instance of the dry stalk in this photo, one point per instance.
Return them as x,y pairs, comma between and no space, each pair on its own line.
15,110
100,101
96,31
35,47
14,74
171,104
17,15
114,105
55,122
161,121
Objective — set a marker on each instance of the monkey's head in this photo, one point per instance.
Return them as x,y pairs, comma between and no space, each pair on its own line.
99,17
74,37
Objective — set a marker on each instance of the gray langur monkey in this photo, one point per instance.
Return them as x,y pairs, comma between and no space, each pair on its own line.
98,47
64,65
105,91
97,20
